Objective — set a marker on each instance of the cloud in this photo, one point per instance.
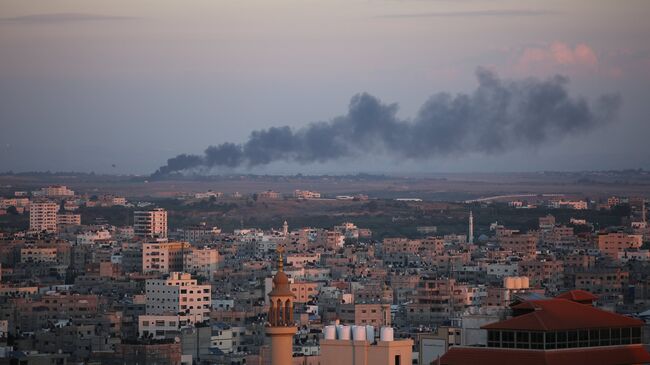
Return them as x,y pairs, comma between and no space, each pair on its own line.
62,18
476,13
557,54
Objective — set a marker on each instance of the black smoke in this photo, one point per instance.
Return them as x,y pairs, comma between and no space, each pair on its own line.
500,115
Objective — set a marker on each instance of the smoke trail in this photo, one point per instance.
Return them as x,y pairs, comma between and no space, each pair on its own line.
500,115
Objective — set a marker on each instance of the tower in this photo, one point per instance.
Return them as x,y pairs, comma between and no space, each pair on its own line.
470,236
281,326
285,228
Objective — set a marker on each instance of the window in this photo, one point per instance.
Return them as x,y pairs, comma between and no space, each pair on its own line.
636,335
561,340
616,336
398,359
604,337
523,340
536,340
507,339
494,339
594,338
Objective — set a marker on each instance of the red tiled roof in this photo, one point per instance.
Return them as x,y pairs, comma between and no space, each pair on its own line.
606,355
578,296
562,314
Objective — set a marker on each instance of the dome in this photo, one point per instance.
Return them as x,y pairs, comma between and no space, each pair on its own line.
280,279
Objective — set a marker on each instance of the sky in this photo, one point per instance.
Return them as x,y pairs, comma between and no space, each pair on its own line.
121,86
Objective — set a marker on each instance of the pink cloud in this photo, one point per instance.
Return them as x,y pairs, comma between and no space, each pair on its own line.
558,54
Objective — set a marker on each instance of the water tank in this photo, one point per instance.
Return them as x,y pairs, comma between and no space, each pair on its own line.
343,332
517,282
330,332
509,282
525,282
370,333
359,333
386,334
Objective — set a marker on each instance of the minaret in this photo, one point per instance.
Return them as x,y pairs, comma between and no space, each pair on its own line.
285,228
470,237
281,326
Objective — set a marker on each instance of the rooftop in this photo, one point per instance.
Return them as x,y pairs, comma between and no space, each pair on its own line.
561,314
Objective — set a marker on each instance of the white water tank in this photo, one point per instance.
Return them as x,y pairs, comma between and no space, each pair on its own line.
525,282
343,332
330,332
386,334
517,282
359,333
370,333
509,282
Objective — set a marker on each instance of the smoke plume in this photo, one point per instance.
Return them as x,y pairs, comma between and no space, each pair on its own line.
500,115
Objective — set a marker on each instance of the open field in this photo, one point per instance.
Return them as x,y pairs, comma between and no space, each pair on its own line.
439,187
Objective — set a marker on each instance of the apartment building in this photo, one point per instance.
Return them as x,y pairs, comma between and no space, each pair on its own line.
150,223
42,216
178,295
611,244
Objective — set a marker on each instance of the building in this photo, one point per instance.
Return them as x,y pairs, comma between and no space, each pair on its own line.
269,195
611,244
68,219
55,191
198,233
357,345
202,261
42,216
164,257
178,295
158,352
306,194
150,223
41,255
281,327
522,244
557,331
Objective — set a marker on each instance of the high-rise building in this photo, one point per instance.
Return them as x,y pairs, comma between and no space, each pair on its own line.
282,327
150,223
42,216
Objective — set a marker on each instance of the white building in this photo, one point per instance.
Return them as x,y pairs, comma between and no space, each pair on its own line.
178,295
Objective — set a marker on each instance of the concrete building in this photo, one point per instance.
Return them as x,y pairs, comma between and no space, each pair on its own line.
42,216
55,191
202,261
164,257
68,219
178,295
611,244
150,223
